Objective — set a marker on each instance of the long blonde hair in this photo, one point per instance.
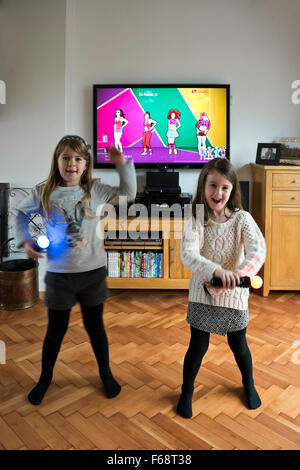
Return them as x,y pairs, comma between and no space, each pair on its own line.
224,167
54,179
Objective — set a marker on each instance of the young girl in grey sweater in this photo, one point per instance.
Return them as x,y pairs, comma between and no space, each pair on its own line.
69,203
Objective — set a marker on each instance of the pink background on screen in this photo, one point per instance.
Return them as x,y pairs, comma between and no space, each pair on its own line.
133,113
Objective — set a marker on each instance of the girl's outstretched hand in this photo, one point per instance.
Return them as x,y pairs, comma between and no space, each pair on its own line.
230,279
116,157
28,246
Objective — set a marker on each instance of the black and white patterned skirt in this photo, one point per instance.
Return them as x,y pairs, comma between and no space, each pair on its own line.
214,319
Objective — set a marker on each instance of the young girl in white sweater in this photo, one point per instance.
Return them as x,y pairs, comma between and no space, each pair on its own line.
227,244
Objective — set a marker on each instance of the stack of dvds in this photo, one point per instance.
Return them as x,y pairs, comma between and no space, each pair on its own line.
134,264
113,263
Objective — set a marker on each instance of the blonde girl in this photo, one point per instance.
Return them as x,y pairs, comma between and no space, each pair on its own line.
76,260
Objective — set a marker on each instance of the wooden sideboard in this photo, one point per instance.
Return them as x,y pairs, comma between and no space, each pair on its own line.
276,209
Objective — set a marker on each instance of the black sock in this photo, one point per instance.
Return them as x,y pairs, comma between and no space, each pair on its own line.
37,393
253,400
184,405
238,344
198,346
111,386
57,326
93,322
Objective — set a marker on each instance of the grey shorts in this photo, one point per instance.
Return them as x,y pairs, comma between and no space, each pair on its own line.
64,290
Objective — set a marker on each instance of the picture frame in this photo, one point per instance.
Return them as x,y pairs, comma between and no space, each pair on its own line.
290,151
268,154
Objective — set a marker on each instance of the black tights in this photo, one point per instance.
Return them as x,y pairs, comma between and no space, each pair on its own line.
57,327
198,346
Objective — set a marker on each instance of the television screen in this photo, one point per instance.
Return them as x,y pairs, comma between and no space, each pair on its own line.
162,125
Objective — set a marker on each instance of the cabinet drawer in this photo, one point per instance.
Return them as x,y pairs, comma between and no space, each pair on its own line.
290,198
286,180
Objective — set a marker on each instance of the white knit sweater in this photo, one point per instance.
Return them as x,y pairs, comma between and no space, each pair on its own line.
236,245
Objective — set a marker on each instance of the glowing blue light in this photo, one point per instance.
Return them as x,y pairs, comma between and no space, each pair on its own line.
42,242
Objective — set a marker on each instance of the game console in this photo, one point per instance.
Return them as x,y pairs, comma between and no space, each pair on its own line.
162,182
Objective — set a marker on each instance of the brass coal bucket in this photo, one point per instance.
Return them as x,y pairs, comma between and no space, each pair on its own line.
18,284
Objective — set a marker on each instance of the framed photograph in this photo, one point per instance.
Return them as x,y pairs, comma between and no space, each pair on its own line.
268,154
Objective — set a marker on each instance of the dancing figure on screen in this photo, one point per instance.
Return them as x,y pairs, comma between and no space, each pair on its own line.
173,126
119,123
202,127
149,125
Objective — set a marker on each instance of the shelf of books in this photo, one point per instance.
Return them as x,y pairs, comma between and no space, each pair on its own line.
134,264
143,262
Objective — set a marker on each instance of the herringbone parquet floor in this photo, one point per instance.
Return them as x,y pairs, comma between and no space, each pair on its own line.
148,338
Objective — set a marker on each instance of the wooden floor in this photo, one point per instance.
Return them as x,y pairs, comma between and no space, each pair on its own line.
148,338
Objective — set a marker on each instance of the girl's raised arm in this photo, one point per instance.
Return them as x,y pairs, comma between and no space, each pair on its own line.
106,193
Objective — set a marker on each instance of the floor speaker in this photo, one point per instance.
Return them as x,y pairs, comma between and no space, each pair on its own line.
4,188
244,187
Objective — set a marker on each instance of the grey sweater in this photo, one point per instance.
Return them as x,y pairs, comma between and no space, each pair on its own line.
75,241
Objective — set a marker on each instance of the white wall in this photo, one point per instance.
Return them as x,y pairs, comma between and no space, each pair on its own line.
251,44
32,64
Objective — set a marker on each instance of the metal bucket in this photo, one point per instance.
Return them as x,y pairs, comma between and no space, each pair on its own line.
18,284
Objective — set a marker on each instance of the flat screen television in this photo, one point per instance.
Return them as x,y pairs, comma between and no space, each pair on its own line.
162,126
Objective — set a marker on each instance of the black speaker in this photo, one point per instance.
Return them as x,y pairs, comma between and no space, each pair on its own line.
4,187
244,187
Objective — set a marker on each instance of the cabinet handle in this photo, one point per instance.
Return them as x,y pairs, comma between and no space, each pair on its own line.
295,181
172,250
172,258
294,198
